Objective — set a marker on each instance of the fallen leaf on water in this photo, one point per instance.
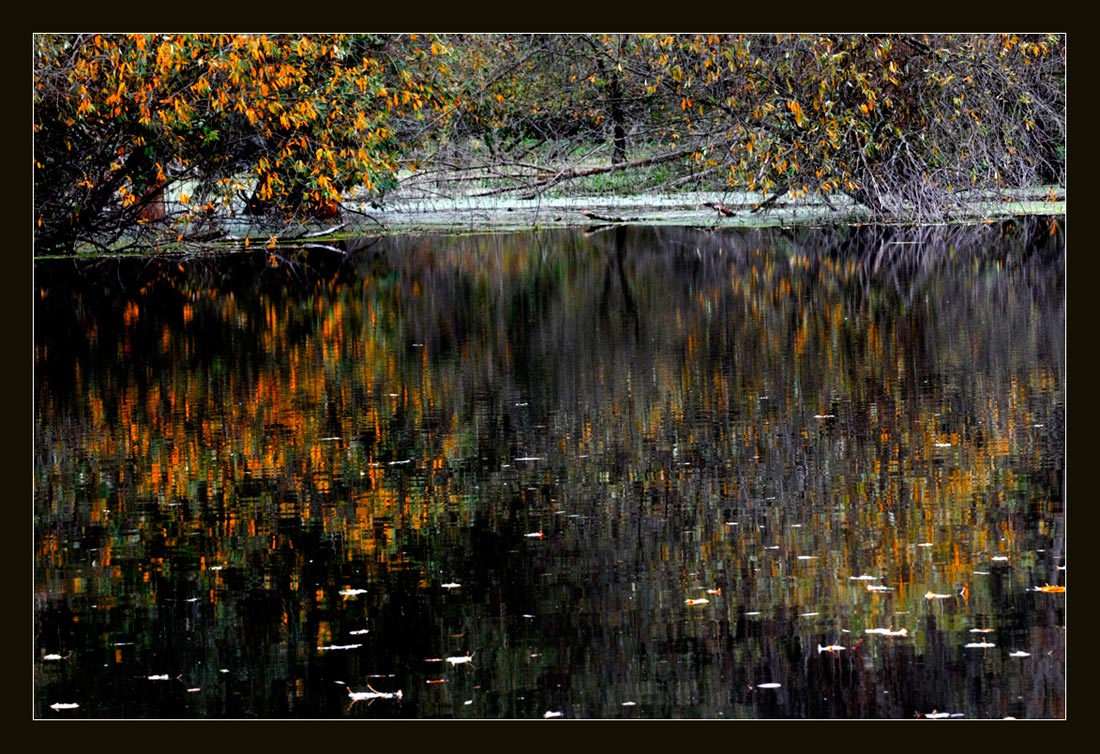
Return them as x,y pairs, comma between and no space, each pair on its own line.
64,705
534,535
1050,589
830,648
700,601
980,645
934,596
1018,653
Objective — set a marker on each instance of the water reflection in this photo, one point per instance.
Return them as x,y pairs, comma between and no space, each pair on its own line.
641,473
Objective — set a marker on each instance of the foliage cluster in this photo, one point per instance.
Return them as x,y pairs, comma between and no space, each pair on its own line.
245,123
287,126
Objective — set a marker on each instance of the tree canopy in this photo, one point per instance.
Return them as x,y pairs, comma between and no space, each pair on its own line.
285,126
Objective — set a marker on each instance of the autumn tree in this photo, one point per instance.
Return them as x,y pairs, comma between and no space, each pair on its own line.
281,125
905,125
902,124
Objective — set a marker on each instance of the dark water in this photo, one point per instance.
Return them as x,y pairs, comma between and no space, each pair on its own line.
265,481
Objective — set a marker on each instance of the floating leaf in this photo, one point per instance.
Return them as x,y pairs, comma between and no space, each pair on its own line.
371,694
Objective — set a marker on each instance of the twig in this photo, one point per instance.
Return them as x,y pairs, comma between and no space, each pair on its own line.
316,233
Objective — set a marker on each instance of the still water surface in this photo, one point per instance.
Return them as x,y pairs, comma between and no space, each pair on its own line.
639,473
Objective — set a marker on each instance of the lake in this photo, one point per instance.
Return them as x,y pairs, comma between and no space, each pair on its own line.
629,472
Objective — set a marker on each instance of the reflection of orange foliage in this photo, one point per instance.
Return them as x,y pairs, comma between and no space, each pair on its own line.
346,348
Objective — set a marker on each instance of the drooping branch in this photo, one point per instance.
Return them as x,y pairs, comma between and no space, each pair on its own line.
571,174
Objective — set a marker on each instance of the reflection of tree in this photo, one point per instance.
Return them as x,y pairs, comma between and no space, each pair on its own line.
616,270
310,424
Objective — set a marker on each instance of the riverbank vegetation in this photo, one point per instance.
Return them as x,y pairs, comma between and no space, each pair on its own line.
146,140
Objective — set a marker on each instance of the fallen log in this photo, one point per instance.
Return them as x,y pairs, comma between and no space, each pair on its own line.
607,218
